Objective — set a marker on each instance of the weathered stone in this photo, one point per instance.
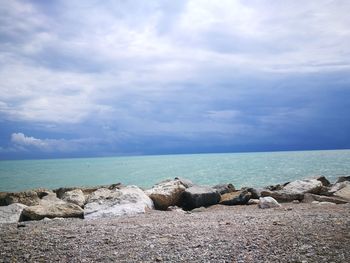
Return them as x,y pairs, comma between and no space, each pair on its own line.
253,202
343,193
309,198
274,187
322,179
224,188
268,202
304,186
3,198
197,196
52,210
187,183
103,202
256,193
11,213
338,186
28,198
86,190
166,193
282,195
343,179
75,197
236,198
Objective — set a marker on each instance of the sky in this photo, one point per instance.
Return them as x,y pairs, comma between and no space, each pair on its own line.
109,78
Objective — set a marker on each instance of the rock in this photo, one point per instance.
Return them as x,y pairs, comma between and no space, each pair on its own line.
28,198
86,190
343,179
268,202
296,201
309,198
11,213
197,196
282,195
224,188
236,198
322,179
3,198
256,193
343,192
75,197
199,209
103,202
313,186
52,210
187,183
166,193
175,209
274,187
338,186
326,203
253,202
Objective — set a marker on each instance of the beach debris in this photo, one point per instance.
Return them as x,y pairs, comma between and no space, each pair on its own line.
75,196
166,193
11,213
268,202
197,196
129,200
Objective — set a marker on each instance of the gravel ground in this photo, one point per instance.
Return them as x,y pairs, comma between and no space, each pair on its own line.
293,233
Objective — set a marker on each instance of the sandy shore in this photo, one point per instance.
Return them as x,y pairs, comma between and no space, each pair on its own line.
292,233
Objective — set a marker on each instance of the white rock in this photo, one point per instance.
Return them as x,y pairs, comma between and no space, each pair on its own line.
167,193
304,186
75,196
103,202
11,213
268,202
344,192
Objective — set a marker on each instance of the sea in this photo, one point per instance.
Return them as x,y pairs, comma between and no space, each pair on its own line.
241,169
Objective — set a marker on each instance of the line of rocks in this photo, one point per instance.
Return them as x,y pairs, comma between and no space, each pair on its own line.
177,195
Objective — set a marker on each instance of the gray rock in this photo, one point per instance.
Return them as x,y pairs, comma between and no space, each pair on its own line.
166,193
197,196
11,213
75,197
103,202
253,202
236,198
187,183
309,198
268,202
322,179
224,188
52,210
28,198
86,190
282,195
344,192
313,186
343,179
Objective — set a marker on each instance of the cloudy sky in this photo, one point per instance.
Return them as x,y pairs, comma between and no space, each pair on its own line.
102,78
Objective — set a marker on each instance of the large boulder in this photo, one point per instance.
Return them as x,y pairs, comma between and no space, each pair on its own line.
224,188
28,198
268,202
338,186
75,196
343,192
129,200
282,195
166,193
52,210
197,196
236,198
86,190
313,186
343,179
309,198
11,213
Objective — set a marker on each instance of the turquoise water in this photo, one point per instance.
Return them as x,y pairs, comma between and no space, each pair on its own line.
241,169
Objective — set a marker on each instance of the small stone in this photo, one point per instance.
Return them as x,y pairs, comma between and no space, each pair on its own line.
296,202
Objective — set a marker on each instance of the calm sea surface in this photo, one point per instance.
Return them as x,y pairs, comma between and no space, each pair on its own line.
241,169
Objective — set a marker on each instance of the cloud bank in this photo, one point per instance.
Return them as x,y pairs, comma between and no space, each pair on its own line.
166,77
